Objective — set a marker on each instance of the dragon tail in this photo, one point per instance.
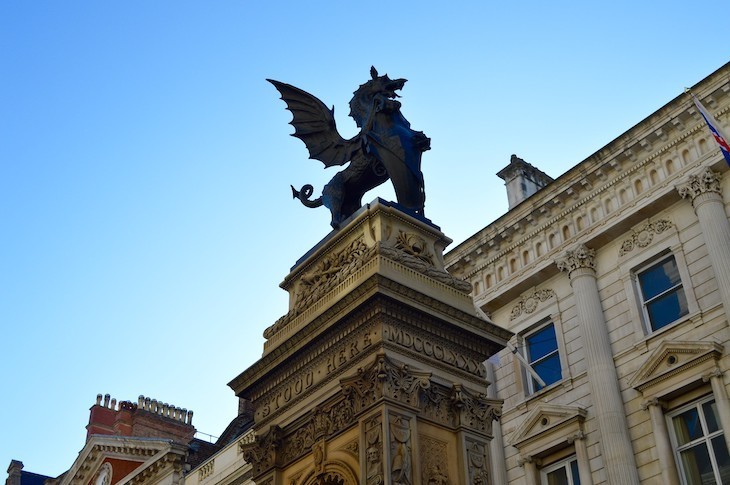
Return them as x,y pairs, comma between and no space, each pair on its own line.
304,196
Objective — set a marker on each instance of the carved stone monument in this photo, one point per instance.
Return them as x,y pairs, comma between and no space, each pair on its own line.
375,374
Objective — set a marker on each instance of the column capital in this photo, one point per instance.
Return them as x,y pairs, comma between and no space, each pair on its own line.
716,372
582,257
696,185
527,459
580,435
653,402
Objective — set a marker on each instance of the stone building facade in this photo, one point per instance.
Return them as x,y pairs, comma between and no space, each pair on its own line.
615,279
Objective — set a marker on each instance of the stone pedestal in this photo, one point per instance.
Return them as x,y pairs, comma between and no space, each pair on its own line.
375,374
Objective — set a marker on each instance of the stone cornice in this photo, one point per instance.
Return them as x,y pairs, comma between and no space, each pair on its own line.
578,183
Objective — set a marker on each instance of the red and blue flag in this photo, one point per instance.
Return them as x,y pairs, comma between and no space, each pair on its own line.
715,129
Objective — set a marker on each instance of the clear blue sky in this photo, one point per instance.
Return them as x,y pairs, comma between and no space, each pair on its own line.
145,166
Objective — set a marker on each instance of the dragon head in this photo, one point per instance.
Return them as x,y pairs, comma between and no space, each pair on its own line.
378,93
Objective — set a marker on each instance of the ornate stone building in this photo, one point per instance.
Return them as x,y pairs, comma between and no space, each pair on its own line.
615,279
610,287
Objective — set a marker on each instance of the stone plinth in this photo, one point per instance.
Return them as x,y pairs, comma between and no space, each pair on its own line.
375,374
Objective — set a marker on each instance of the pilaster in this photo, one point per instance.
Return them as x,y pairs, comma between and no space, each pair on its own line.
618,453
663,443
705,192
721,399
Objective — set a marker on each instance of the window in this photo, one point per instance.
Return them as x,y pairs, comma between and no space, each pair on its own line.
662,295
541,352
699,444
561,473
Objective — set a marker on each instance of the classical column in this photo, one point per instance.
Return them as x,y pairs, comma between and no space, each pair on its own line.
721,400
618,454
529,464
705,192
663,444
581,455
499,463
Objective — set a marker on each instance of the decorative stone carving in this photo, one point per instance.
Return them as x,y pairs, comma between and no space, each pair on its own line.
529,303
353,447
477,461
385,379
400,450
414,245
374,454
434,461
580,257
332,270
421,262
644,236
707,181
262,452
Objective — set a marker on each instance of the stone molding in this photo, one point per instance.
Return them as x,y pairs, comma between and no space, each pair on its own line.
704,183
582,257
548,424
580,192
383,380
644,236
529,303
670,359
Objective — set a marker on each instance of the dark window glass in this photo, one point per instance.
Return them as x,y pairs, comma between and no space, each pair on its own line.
542,354
662,293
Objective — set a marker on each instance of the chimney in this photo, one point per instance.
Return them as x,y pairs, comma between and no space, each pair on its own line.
522,180
14,472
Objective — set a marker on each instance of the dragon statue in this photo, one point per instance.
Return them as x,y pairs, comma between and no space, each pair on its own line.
386,147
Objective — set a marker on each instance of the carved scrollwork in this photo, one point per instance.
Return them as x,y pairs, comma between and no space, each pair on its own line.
385,379
529,303
580,257
644,236
707,181
407,251
414,245
262,452
400,451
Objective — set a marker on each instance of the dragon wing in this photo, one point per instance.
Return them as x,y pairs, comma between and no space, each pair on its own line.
314,124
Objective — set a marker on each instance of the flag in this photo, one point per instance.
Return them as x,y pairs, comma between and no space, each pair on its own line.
714,127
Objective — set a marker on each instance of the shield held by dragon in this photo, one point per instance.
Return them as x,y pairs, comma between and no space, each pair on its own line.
386,147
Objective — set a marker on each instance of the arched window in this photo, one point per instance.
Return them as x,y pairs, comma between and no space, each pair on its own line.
670,166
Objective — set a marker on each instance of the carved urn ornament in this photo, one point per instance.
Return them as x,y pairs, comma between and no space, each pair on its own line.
386,147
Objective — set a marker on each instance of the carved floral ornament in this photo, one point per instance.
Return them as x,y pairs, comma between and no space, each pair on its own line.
529,303
706,182
580,257
382,380
410,250
644,236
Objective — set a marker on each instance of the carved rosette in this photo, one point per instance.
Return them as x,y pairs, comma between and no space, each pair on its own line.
578,258
529,303
644,236
706,182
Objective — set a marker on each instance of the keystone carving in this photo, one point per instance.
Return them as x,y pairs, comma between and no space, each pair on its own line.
707,181
529,303
644,236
